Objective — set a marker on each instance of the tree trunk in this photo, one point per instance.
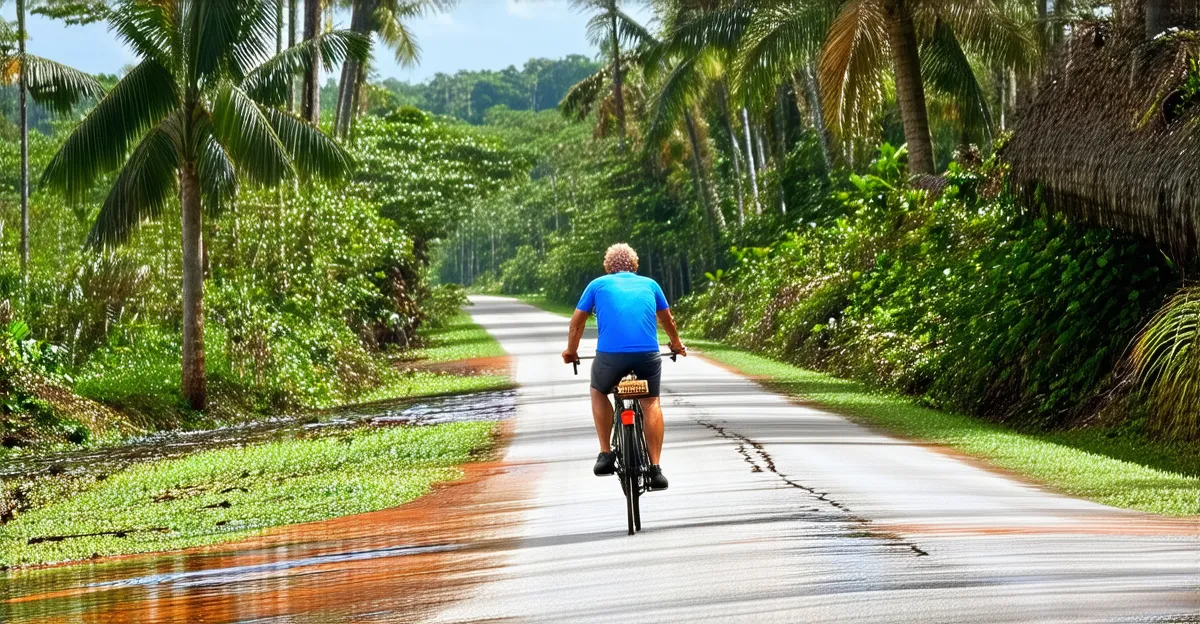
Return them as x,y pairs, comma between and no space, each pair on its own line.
1158,17
714,211
291,43
816,111
349,83
23,104
310,106
618,81
194,383
726,117
910,91
278,26
750,160
780,143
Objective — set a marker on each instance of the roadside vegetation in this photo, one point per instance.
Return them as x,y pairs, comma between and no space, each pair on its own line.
227,494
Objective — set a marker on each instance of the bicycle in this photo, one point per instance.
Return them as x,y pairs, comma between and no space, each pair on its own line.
629,441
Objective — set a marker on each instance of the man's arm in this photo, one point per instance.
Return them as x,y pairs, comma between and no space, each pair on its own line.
574,335
667,320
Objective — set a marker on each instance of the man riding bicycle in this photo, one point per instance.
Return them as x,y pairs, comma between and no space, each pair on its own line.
626,306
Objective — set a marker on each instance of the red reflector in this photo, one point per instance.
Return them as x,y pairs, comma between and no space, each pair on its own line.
627,417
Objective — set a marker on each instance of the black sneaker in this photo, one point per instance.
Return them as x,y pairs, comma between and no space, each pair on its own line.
657,480
606,464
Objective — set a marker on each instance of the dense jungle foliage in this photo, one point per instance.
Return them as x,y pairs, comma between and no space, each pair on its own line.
307,294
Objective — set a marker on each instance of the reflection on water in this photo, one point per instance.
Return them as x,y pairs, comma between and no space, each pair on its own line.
381,567
105,460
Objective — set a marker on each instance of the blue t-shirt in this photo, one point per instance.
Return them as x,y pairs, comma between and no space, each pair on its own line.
626,305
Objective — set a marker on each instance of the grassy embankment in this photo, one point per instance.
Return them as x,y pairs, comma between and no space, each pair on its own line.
226,494
1110,466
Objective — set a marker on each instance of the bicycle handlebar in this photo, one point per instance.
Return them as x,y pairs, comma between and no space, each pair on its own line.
671,354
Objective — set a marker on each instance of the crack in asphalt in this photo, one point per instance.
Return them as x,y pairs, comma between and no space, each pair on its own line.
749,449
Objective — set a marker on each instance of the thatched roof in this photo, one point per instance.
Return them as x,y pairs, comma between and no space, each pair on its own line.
1110,137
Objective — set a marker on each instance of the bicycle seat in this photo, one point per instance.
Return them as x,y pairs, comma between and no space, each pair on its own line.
632,388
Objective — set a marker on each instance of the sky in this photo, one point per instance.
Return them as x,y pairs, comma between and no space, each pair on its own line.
478,34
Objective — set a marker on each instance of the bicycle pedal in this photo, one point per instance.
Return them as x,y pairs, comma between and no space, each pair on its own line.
633,388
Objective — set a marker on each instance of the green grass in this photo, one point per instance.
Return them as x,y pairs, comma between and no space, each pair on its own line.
1118,467
1108,466
460,339
227,494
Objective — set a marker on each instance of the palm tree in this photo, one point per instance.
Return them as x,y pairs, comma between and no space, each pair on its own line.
386,19
50,84
310,101
850,42
866,32
199,113
607,27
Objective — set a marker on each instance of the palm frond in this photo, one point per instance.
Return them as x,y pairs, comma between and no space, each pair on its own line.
218,176
630,32
140,191
57,86
720,28
946,68
254,41
140,101
999,31
1166,358
599,31
211,30
147,28
396,35
680,89
269,83
249,139
779,40
581,98
851,63
313,153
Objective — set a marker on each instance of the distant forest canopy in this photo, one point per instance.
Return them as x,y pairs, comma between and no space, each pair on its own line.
468,95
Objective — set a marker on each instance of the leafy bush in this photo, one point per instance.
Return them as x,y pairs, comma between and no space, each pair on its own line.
519,274
963,298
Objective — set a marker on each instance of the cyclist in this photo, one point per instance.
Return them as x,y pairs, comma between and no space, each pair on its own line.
626,306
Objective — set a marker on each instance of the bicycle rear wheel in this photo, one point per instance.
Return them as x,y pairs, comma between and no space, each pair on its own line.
629,451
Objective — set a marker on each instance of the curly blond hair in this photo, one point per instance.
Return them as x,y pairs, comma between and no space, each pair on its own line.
620,257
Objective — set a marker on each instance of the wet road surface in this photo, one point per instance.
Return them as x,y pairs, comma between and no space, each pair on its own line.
776,512
781,512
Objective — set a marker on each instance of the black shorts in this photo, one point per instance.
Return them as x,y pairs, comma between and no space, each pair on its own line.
609,368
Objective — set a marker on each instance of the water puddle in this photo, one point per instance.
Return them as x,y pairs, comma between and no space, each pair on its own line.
104,460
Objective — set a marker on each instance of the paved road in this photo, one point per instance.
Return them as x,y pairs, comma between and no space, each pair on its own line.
781,512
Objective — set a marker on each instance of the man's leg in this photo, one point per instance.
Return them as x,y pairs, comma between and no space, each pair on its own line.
652,413
602,415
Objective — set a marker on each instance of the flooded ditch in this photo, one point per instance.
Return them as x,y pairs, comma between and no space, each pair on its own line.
33,480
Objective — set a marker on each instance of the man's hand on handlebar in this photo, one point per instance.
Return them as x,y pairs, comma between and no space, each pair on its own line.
570,357
678,348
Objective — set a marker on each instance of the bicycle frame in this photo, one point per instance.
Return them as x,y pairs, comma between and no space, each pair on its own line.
628,441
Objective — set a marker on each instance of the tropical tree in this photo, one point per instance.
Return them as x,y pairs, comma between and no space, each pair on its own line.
606,28
386,19
53,85
927,41
197,115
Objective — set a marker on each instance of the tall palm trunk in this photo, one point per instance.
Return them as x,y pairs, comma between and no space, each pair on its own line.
750,160
194,383
780,143
618,79
714,210
310,105
278,26
23,104
291,43
359,18
910,91
816,111
726,118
